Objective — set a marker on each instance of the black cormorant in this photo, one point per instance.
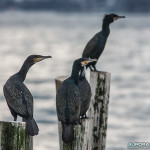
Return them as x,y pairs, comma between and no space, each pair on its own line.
18,97
95,46
68,101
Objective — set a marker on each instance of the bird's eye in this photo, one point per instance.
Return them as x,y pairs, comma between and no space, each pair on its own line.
115,18
38,59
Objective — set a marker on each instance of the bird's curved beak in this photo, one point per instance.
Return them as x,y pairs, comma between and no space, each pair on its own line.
87,61
119,17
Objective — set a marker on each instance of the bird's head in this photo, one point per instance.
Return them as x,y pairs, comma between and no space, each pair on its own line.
111,18
78,65
84,61
32,59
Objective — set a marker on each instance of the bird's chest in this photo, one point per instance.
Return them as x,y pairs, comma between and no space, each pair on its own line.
100,47
101,42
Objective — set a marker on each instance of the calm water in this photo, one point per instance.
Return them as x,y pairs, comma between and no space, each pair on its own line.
63,36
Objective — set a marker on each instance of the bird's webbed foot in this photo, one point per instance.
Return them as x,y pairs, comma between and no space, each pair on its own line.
78,122
84,117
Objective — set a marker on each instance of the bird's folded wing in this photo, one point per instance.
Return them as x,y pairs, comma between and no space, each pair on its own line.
68,96
19,99
90,47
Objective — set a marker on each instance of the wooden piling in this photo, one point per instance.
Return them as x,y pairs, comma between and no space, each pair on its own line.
29,142
91,135
81,138
98,110
13,136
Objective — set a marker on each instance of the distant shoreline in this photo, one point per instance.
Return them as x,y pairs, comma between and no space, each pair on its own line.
81,6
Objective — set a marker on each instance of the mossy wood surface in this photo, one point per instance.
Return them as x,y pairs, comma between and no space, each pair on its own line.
100,86
12,135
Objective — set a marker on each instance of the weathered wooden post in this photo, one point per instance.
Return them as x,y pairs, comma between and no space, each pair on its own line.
100,86
13,136
29,142
91,135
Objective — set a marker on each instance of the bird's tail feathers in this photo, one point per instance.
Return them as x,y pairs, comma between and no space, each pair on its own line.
31,126
68,133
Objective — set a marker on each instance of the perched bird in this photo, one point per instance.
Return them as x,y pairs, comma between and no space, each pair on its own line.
96,45
68,101
18,97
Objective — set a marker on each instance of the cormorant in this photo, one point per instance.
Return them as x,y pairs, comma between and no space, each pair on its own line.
18,97
95,46
68,101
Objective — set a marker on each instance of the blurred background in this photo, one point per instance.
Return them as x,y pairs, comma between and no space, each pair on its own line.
61,28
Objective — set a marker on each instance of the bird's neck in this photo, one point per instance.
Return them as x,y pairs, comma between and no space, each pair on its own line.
82,73
105,28
24,70
75,73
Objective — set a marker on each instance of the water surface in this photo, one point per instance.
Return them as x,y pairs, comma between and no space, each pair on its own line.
63,36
